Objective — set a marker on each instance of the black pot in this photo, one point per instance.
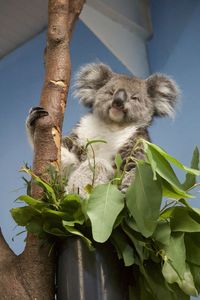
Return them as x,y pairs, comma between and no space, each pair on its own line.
90,275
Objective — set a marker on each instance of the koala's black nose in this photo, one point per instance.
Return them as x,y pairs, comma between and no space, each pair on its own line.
119,98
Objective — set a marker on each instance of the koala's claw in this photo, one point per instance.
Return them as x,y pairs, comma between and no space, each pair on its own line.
34,114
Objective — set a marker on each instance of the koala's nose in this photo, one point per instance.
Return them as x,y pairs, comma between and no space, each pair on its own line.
119,98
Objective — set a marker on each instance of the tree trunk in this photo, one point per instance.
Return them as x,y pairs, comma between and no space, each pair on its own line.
31,275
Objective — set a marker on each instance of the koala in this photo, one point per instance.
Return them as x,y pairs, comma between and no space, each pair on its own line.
121,108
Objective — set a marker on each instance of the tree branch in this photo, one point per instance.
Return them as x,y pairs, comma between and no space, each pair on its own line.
6,252
32,274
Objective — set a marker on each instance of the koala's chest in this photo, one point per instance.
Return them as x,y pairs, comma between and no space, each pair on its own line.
115,137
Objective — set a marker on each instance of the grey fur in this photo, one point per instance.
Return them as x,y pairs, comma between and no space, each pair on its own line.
117,102
96,84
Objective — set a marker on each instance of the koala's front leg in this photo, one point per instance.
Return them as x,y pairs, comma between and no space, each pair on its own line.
34,114
72,154
84,175
69,161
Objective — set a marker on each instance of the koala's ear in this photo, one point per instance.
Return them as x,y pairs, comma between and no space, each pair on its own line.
89,79
164,94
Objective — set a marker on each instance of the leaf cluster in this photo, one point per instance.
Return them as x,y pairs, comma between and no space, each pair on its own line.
159,241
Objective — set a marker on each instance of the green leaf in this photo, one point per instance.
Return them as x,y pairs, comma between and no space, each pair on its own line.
76,232
155,284
118,172
118,161
176,252
60,215
121,243
104,205
38,204
162,233
186,282
175,268
23,215
181,220
172,159
138,244
72,205
144,199
36,226
192,243
195,270
131,223
166,213
170,192
191,178
50,228
161,166
47,187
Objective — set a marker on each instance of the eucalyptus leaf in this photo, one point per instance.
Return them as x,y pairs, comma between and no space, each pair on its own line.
46,186
181,220
192,243
170,158
186,283
75,231
161,166
104,205
36,226
156,284
38,204
60,215
162,233
121,243
138,245
23,215
195,270
176,253
56,231
169,191
191,178
118,164
166,213
175,268
144,198
72,205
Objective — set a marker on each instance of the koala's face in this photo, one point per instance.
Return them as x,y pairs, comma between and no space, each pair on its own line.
123,99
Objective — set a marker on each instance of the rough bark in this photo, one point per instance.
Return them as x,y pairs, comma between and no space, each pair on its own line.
31,274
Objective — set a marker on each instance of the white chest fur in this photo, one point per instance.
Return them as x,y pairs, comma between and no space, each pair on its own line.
92,128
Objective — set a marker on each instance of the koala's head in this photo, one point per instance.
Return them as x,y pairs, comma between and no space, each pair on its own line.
122,99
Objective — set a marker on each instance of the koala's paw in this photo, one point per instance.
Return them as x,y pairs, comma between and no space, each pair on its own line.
34,114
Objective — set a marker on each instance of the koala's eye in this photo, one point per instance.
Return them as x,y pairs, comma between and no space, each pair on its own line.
135,98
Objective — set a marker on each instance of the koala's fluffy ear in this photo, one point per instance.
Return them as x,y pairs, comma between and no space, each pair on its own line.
164,94
89,79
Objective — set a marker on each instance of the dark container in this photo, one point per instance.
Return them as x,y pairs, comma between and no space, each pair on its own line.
90,275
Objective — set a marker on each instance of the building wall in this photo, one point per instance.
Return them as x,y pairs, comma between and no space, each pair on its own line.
174,49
